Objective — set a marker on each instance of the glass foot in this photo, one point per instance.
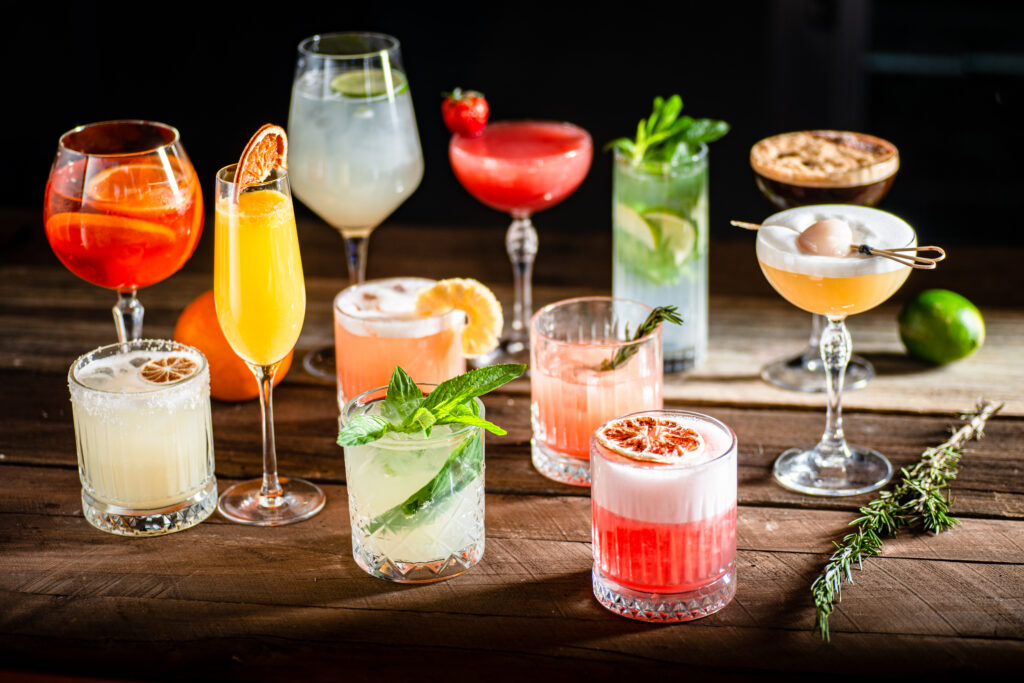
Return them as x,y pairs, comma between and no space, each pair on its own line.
243,504
320,363
806,373
508,351
808,470
560,467
156,522
417,572
664,607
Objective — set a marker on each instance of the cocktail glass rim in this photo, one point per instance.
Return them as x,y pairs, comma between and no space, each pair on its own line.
123,347
275,177
640,464
175,138
667,166
456,433
581,344
304,44
530,160
440,318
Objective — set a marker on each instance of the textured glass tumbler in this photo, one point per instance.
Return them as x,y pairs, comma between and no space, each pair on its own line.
416,503
665,534
145,450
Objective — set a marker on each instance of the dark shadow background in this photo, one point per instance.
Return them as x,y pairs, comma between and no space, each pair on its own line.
942,80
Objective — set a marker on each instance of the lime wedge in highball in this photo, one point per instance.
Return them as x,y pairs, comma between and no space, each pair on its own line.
369,83
631,223
677,234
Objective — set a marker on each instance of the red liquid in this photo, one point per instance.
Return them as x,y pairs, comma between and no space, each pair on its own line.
663,558
123,225
521,167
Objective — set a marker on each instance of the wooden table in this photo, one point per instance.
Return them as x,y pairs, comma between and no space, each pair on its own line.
223,601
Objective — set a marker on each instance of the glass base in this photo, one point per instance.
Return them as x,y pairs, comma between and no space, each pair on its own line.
810,471
320,363
806,373
242,503
664,607
562,468
507,351
382,567
154,522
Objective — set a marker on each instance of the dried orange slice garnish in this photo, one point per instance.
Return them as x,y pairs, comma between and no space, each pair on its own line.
168,369
650,439
472,298
267,150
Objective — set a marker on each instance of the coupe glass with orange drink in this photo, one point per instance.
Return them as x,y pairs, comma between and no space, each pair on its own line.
123,209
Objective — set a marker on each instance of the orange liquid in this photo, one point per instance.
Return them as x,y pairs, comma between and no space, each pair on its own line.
123,225
835,296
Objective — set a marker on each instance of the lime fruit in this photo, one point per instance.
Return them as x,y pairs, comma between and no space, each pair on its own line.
368,83
677,234
940,326
631,223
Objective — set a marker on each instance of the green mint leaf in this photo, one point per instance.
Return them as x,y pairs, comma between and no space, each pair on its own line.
475,421
363,429
422,419
670,112
667,137
706,130
654,318
458,390
403,397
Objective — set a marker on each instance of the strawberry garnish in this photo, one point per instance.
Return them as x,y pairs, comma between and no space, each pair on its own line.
465,112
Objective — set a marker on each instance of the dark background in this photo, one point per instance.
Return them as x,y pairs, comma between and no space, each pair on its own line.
943,80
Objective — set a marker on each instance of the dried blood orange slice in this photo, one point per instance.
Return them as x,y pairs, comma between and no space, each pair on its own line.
267,150
168,369
651,439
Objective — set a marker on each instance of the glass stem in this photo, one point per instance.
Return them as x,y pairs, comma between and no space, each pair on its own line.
356,249
128,317
812,356
521,242
835,352
271,494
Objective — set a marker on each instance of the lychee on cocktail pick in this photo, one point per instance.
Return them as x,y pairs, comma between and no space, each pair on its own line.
830,237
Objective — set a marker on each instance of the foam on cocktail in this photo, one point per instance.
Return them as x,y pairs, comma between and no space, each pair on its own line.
692,490
387,308
777,240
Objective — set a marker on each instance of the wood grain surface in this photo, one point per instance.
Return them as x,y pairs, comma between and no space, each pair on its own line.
227,602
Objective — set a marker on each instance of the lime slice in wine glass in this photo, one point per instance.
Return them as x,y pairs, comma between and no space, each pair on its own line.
369,83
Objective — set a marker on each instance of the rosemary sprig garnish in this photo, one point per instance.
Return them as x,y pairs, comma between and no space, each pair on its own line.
654,318
921,499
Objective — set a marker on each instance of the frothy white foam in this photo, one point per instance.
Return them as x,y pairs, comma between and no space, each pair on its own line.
387,308
696,489
777,240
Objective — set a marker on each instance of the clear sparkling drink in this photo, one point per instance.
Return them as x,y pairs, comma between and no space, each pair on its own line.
416,502
145,447
664,532
660,247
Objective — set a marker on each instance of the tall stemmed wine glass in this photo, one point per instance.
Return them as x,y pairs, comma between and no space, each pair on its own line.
835,287
521,167
123,209
261,302
354,153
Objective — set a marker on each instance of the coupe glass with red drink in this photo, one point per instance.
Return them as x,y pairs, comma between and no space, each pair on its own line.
123,209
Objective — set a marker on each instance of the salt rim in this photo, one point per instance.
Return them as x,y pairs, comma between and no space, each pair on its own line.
836,145
777,240
402,322
694,453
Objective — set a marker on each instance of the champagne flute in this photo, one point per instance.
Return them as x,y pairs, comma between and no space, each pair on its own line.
123,209
354,150
261,301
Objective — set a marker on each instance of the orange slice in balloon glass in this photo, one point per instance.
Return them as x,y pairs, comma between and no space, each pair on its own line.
651,439
139,188
267,150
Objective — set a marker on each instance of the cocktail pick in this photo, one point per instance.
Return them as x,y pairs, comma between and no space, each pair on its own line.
911,258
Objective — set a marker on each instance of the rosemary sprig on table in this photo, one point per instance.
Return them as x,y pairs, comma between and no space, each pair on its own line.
921,498
654,318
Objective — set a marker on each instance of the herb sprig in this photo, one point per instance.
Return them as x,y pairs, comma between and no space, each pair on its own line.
921,499
665,136
654,318
407,410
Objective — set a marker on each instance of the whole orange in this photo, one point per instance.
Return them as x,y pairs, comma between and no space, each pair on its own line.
230,377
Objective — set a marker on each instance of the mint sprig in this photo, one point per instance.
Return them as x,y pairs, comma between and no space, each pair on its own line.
665,136
654,318
406,410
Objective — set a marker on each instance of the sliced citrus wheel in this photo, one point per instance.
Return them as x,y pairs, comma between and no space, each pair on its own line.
472,298
651,439
168,369
100,230
630,222
677,233
139,188
267,150
369,82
